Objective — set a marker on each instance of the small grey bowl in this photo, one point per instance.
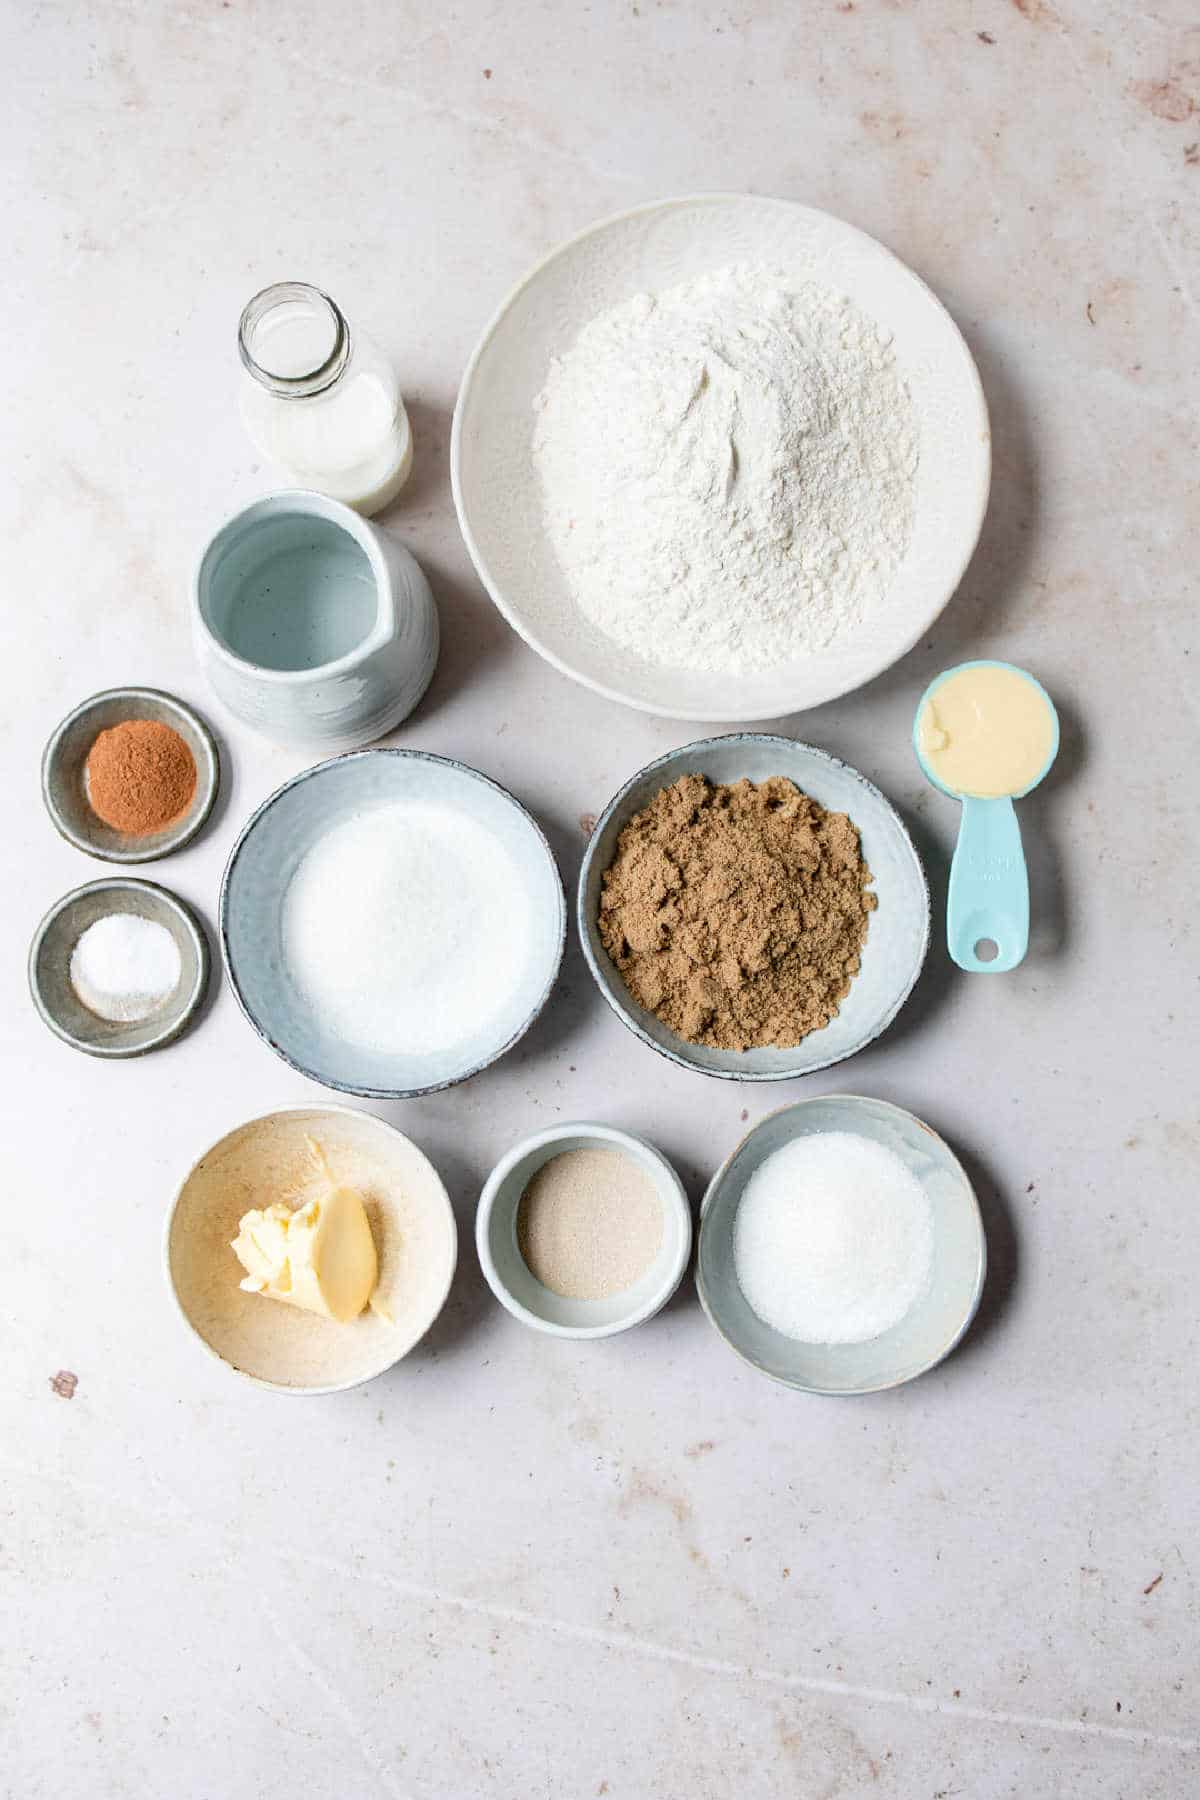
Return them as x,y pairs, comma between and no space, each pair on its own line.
897,940
50,965
518,1289
932,1327
64,786
264,859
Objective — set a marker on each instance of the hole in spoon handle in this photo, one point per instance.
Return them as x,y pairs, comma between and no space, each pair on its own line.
987,909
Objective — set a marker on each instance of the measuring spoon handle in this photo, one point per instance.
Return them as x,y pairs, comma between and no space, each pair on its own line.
989,888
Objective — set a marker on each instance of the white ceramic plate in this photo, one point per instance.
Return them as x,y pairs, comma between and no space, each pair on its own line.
897,937
497,493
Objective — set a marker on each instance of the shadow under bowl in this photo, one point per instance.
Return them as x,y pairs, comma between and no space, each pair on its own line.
932,1326
897,937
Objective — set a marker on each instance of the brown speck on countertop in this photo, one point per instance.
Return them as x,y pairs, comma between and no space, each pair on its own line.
958,1693
487,74
1166,99
700,1449
1191,153
1118,1706
1151,1585
1031,1187
985,37
65,1383
1091,317
745,1114
786,1573
587,823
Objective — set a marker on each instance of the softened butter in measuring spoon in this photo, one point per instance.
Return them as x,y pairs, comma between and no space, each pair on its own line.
987,731
321,399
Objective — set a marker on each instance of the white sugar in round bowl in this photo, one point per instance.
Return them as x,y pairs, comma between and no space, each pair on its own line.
280,893
497,493
279,1346
939,1316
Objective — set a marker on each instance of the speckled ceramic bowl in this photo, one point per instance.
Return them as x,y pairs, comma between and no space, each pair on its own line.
265,858
282,1347
50,968
64,783
897,939
931,1328
509,1276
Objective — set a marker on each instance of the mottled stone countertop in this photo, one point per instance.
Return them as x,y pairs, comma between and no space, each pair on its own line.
521,1567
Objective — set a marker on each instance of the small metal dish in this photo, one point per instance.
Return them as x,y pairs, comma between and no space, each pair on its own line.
50,968
64,783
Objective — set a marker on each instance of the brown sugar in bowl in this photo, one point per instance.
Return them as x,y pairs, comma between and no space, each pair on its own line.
65,781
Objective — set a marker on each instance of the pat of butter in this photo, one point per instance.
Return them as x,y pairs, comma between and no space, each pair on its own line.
320,1257
986,731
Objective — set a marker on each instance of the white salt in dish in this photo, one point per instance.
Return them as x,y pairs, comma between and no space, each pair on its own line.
124,967
333,955
939,1314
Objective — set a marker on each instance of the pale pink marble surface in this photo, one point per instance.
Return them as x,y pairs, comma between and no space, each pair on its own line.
519,1567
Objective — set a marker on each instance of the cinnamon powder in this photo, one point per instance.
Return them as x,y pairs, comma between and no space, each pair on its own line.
737,914
140,776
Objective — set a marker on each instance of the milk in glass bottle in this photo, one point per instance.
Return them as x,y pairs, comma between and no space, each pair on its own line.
321,399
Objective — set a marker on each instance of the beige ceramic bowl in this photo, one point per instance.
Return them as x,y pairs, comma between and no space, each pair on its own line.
278,1346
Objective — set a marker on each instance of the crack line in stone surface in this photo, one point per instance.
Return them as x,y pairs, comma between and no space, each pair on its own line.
626,1642
632,1644
313,1672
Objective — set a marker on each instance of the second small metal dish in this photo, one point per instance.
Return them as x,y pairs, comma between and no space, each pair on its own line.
50,968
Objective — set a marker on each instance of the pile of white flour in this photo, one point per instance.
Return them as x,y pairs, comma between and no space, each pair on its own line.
728,470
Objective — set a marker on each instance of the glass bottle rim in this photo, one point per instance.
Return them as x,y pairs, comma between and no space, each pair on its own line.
313,381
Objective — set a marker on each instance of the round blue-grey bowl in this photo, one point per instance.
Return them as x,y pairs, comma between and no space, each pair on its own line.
897,939
933,1325
263,861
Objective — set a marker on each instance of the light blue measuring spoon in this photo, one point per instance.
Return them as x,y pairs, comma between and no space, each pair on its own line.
988,902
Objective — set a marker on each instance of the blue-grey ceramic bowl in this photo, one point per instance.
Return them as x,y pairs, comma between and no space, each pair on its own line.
264,860
897,940
931,1328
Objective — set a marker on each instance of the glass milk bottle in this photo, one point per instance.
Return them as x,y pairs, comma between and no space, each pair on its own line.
321,399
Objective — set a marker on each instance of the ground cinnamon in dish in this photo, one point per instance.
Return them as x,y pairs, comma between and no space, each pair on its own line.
737,915
140,776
